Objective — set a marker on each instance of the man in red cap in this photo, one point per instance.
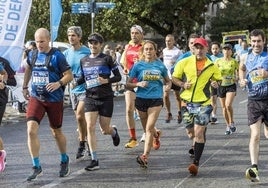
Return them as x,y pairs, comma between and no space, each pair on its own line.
194,75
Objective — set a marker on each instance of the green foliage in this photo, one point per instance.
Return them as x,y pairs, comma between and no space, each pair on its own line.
160,16
178,17
239,15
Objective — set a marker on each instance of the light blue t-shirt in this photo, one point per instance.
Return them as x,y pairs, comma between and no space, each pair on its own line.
257,85
214,57
153,73
73,58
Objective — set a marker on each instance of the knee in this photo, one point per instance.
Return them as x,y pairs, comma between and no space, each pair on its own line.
228,107
56,133
32,130
255,137
80,117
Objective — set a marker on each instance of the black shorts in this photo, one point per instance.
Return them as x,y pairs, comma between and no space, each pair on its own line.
257,110
225,89
175,87
143,104
104,106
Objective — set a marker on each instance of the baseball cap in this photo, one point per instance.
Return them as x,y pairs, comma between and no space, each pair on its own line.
95,37
201,41
139,28
75,29
229,46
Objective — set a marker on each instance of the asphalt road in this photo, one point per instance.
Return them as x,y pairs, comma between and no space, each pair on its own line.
223,163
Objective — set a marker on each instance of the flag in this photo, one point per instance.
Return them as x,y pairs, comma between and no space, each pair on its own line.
55,17
13,23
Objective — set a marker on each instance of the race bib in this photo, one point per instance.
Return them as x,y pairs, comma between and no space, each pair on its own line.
227,80
256,77
40,78
92,81
193,108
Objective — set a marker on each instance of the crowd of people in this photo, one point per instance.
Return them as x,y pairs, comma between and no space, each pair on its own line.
198,77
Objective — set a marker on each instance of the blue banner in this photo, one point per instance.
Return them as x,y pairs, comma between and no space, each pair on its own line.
56,13
13,23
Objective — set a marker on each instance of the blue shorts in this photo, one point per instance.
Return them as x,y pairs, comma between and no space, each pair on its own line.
200,117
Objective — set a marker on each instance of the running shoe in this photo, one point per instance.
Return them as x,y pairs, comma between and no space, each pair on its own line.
136,116
232,127
156,140
81,153
142,138
214,120
37,171
94,165
228,131
143,161
64,168
193,169
116,138
169,117
2,160
252,174
131,143
179,117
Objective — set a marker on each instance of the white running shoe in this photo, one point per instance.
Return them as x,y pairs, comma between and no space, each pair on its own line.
142,138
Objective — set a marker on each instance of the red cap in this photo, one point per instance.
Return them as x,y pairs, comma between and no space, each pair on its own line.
201,41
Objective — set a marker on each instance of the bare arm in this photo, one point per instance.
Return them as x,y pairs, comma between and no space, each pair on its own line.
67,77
242,71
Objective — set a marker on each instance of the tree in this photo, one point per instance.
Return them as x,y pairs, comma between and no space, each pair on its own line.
239,15
178,17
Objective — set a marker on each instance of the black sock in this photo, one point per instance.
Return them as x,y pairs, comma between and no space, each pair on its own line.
255,166
198,150
82,144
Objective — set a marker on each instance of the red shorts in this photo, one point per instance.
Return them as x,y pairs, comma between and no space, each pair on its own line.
37,109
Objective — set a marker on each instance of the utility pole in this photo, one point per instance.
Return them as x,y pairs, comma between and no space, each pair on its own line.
93,7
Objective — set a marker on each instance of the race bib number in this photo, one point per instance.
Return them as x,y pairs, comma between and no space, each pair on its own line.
92,81
227,80
151,75
40,78
256,77
193,108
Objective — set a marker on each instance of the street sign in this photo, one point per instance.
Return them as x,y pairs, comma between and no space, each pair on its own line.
105,5
81,8
90,8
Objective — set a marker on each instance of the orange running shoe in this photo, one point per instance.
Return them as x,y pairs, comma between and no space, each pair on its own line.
156,140
193,169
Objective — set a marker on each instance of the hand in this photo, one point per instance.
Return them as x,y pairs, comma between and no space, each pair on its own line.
2,85
125,71
168,86
187,85
215,84
102,80
142,84
243,83
26,94
53,86
73,84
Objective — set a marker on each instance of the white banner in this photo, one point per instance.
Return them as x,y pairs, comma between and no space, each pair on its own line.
14,16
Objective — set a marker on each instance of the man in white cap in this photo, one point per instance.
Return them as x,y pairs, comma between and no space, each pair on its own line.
194,75
129,57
